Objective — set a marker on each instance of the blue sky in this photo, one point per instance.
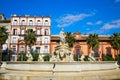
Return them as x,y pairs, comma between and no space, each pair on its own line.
85,16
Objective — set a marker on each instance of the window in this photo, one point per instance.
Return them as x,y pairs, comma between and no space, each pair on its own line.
46,23
46,40
21,49
14,40
38,38
38,49
38,32
15,22
22,32
46,32
38,23
78,53
14,31
108,50
46,49
14,49
30,22
96,54
22,38
23,22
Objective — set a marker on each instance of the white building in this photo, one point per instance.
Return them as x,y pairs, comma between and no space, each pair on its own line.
40,24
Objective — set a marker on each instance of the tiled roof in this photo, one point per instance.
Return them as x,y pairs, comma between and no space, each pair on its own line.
103,38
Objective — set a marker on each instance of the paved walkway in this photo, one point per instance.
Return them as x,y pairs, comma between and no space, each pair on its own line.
91,75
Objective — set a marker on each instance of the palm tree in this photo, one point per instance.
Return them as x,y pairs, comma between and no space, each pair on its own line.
69,39
30,38
3,37
115,41
93,41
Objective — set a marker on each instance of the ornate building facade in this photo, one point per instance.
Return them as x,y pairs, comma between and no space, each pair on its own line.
39,24
81,47
46,42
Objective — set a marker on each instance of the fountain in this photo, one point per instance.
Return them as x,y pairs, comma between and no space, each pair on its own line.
61,66
62,52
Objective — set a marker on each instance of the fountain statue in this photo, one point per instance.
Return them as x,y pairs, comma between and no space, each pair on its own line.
90,56
40,58
63,52
29,57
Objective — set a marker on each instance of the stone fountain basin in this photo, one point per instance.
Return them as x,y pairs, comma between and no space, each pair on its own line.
60,66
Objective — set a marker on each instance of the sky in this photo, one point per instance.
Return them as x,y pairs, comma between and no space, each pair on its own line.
84,16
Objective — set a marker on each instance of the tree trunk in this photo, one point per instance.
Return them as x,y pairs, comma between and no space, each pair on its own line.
30,48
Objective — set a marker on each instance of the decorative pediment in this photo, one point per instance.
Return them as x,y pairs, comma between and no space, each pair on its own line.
21,42
77,35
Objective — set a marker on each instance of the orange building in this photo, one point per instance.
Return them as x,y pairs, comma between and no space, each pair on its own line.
81,47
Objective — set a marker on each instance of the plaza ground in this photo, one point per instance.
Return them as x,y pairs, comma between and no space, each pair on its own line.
87,75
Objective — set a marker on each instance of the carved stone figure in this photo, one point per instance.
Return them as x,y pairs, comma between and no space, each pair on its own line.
40,58
91,56
82,57
62,37
53,58
71,57
29,56
63,52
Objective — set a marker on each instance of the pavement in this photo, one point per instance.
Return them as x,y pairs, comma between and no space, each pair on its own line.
87,75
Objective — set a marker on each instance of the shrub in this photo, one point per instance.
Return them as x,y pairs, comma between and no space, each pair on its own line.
35,56
86,58
46,57
22,57
108,57
75,57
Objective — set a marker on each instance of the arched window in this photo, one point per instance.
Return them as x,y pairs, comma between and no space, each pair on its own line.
38,32
38,22
30,22
38,38
78,50
14,31
15,22
21,49
46,40
22,32
108,50
46,32
96,54
23,22
46,23
14,40
46,49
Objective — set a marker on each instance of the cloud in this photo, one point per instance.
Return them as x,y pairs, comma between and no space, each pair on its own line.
89,23
117,0
112,25
96,23
69,19
107,27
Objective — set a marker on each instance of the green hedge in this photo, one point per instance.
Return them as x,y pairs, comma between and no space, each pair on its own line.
86,58
35,56
46,57
108,57
75,57
22,57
